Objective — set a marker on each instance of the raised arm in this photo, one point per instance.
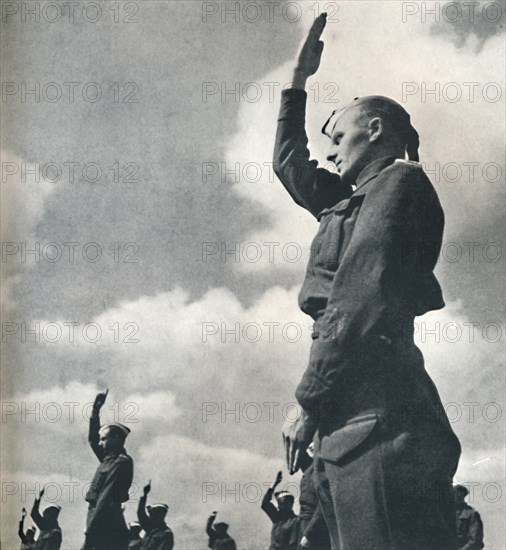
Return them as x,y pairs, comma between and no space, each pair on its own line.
209,526
142,516
21,528
94,428
267,505
39,521
311,187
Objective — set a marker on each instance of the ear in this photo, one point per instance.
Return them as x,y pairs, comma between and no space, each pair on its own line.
375,128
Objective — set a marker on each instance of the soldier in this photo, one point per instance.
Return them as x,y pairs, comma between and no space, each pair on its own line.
381,431
134,531
158,535
106,528
469,524
50,536
219,539
285,524
28,538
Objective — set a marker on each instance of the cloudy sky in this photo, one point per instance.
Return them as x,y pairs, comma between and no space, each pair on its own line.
136,162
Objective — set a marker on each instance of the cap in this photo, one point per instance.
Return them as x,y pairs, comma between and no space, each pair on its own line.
396,113
51,507
117,425
134,524
155,506
280,495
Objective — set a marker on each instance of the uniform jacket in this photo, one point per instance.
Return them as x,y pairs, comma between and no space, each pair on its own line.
215,543
156,538
50,536
285,533
370,273
109,487
469,529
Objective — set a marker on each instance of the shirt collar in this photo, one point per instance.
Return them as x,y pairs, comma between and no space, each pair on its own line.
372,170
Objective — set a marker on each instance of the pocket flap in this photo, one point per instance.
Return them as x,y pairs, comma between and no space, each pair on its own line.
338,444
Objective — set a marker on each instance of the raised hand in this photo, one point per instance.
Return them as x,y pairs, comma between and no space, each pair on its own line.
279,479
147,488
310,53
100,399
23,513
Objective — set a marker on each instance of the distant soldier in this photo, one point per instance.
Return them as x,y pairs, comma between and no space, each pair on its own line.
106,528
285,524
219,539
469,524
134,531
314,533
28,538
50,536
158,535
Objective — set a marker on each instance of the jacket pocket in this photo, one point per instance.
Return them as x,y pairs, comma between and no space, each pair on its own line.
338,444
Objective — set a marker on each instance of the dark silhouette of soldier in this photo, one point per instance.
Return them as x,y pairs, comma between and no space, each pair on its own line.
469,524
379,421
158,535
28,538
219,539
50,535
285,524
106,528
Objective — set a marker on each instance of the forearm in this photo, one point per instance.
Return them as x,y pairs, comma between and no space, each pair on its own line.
299,79
141,513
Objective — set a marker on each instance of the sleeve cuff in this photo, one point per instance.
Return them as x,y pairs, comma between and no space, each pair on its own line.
294,94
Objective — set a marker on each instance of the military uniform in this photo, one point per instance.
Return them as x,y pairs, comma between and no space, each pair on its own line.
218,541
285,533
25,543
385,453
469,528
106,528
135,544
50,535
157,537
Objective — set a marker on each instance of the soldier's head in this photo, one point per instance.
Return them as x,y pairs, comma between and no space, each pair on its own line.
460,492
367,129
285,501
30,534
157,513
51,513
112,437
221,528
134,530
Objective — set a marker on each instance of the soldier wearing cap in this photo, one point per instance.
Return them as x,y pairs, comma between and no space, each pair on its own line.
28,538
382,435
50,535
134,532
285,524
158,535
469,524
106,528
219,539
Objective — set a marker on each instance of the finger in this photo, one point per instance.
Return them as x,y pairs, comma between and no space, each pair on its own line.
296,461
287,451
293,450
317,27
106,392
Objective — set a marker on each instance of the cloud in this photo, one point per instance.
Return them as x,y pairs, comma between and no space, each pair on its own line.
465,23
